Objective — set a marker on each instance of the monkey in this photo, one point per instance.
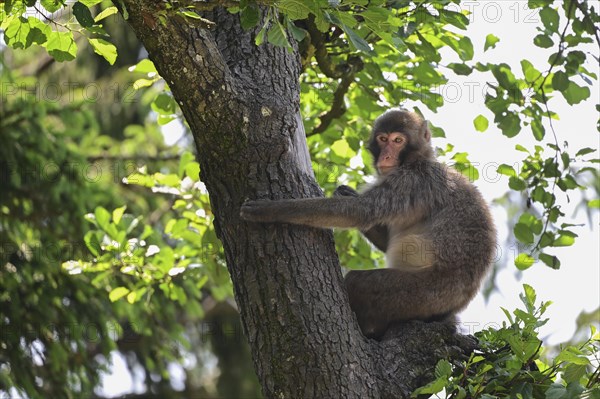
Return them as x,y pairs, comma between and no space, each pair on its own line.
432,223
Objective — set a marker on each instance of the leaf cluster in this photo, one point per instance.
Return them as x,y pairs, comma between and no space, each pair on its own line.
60,325
509,364
132,260
55,32
54,326
539,176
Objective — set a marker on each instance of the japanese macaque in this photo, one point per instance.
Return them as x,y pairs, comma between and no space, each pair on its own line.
431,222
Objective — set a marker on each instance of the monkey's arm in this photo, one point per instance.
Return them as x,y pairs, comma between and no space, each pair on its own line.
378,235
342,212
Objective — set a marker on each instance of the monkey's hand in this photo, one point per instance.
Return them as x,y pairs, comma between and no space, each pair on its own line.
345,191
258,211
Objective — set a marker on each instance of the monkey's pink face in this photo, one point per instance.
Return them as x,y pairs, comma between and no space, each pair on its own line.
390,146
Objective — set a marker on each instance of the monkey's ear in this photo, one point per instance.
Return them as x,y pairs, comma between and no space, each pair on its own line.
425,132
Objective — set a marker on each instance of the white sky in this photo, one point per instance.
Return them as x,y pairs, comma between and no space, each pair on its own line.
576,286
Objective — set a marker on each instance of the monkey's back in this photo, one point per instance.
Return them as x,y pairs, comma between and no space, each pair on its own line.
464,238
463,230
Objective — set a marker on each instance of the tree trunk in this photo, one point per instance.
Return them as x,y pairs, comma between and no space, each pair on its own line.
242,104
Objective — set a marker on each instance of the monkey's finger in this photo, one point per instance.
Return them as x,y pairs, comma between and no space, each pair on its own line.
247,212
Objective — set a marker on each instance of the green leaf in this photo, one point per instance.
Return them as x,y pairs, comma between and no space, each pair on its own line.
376,18
144,66
278,37
543,41
433,387
164,119
39,31
460,69
192,170
261,35
523,233
437,131
524,261
556,391
575,94
507,170
574,372
52,5
427,50
531,74
568,183
595,203
61,46
92,243
505,76
454,18
297,33
425,73
358,42
185,158
164,104
532,222
516,184
106,13
169,180
249,17
134,296
466,48
118,293
572,355
534,4
105,49
178,294
481,123
83,15
574,61
585,151
564,240
550,260
510,124
538,129
90,3
294,9
490,42
102,218
341,152
546,239
529,296
560,81
16,33
549,18
118,214
443,369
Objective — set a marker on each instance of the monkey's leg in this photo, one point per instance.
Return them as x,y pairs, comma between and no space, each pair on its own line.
380,297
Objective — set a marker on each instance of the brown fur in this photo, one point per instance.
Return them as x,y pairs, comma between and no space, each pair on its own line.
432,223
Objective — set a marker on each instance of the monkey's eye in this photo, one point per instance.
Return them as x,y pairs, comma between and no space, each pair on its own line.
383,138
398,139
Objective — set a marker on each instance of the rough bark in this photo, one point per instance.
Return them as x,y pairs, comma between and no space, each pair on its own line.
242,104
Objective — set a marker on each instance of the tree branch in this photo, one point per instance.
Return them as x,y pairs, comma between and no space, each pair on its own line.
338,107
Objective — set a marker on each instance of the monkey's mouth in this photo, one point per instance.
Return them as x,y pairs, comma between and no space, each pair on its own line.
385,169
